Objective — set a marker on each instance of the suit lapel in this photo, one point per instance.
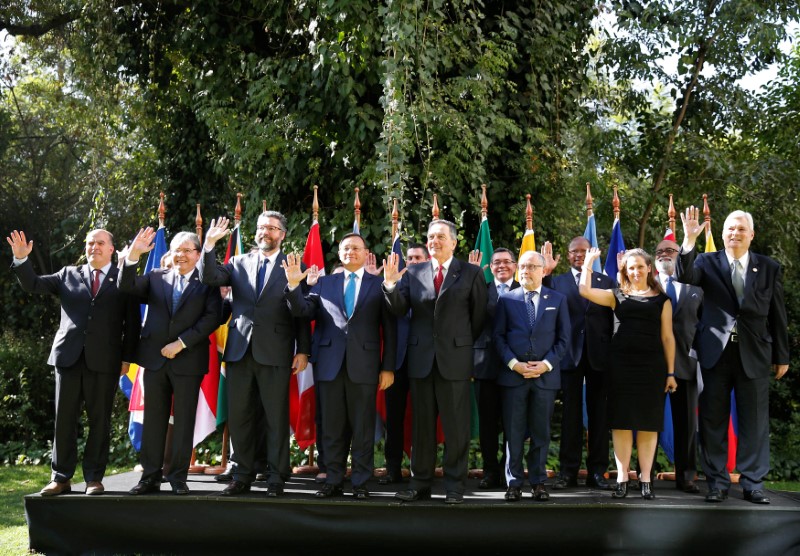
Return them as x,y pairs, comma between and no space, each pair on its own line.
168,284
750,275
86,275
110,280
251,267
366,285
452,275
725,272
337,283
273,275
191,284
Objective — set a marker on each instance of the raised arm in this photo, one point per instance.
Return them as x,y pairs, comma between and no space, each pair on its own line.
595,295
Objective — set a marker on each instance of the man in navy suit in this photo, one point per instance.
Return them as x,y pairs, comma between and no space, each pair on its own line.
447,299
397,393
487,366
586,361
742,337
265,345
94,344
687,302
353,352
531,333
173,350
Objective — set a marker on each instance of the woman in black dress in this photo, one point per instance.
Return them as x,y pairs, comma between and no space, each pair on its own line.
642,362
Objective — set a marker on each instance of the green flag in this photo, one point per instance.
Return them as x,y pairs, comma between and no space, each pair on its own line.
484,245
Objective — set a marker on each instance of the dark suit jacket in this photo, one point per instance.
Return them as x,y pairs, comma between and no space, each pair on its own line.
761,321
548,340
486,359
357,340
106,326
592,324
198,314
263,321
684,326
443,328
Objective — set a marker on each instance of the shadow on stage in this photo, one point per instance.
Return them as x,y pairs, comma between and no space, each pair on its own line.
575,521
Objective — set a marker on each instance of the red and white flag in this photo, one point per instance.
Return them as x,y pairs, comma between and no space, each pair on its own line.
302,400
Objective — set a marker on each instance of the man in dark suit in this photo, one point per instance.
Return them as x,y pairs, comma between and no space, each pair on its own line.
260,353
531,333
487,365
353,351
742,336
447,299
397,394
95,341
686,308
586,361
173,350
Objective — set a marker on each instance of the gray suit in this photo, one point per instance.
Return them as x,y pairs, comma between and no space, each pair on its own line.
262,339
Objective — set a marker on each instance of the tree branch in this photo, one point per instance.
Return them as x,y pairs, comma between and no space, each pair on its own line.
39,28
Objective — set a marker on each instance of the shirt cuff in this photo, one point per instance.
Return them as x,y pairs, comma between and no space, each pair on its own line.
181,341
549,366
129,262
388,288
18,262
513,362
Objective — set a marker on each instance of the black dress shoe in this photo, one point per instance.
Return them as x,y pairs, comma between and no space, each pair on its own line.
598,481
453,497
329,491
540,493
179,487
564,481
412,495
620,491
647,491
320,478
717,495
513,494
390,478
360,492
236,487
145,486
274,490
756,496
689,487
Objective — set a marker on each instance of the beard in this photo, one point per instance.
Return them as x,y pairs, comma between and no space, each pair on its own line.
666,266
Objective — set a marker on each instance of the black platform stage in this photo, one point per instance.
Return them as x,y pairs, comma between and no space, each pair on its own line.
580,520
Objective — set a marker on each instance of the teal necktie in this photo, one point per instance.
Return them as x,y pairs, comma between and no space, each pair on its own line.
350,295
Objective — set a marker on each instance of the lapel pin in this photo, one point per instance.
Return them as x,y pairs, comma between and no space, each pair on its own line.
755,269
110,279
545,296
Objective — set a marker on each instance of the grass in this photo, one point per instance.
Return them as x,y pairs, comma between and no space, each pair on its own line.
17,481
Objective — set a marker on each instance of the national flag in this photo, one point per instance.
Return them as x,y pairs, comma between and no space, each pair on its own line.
617,245
483,243
528,244
666,438
302,397
670,235
733,421
234,249
131,383
590,233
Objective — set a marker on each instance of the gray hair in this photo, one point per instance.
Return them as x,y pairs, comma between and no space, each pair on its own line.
276,215
450,226
182,237
740,214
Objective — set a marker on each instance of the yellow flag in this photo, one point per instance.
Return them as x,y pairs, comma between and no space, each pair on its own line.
528,244
710,247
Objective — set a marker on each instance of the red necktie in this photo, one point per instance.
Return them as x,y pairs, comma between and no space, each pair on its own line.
437,280
96,282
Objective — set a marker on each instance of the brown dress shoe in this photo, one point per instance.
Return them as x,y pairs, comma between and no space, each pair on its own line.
54,488
94,488
540,493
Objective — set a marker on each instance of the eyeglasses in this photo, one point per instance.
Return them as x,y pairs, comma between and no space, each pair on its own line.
667,251
530,266
507,262
183,251
270,229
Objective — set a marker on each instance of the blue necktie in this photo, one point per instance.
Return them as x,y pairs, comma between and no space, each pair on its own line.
262,273
502,289
177,291
531,308
671,292
350,295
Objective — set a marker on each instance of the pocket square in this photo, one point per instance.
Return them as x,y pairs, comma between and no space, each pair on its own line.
549,308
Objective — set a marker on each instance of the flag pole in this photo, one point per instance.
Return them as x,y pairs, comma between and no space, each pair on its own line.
435,209
357,210
395,219
589,200
528,213
162,210
484,202
615,203
311,468
671,213
706,213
